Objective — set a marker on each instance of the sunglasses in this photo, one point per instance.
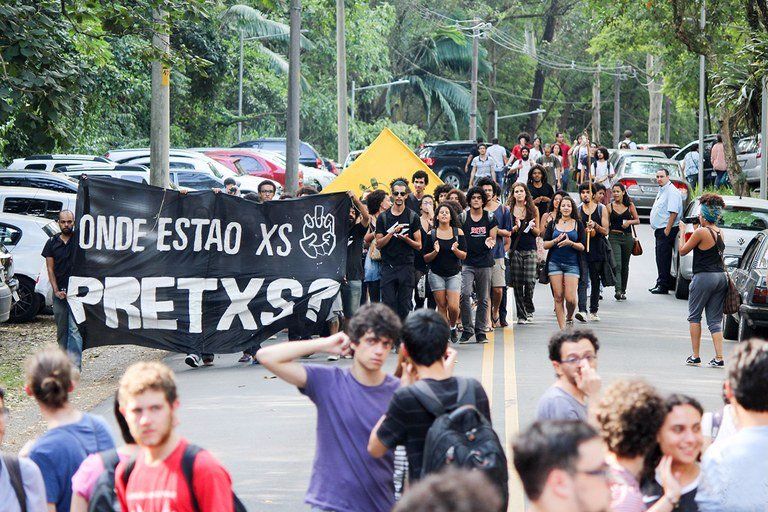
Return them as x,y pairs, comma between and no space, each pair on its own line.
400,194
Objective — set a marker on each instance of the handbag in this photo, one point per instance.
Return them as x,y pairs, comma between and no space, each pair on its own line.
637,249
732,298
373,251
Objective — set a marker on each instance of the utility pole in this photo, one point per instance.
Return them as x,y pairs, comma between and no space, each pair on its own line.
341,83
596,106
475,59
240,91
763,139
702,96
616,109
667,115
294,101
160,118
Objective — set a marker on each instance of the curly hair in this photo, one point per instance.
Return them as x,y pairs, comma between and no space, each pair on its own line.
452,211
376,318
452,490
461,197
747,375
558,339
401,182
712,200
630,415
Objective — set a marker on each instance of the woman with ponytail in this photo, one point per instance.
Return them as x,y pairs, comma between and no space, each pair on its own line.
710,281
71,436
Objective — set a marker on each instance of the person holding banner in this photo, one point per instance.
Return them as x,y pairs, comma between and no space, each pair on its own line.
398,236
377,202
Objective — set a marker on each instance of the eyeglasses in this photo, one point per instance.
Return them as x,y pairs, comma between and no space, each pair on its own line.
577,359
400,194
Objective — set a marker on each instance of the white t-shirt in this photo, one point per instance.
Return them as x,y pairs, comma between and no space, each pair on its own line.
524,169
534,154
602,168
498,153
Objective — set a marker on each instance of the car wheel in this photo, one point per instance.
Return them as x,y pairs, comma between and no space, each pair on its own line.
682,285
28,305
730,328
745,331
452,178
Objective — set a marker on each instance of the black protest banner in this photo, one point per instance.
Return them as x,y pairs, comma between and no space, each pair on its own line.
203,271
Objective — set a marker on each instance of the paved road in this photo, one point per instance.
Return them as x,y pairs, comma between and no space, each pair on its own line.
263,429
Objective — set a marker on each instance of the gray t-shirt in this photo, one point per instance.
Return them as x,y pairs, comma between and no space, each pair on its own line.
484,167
557,404
34,488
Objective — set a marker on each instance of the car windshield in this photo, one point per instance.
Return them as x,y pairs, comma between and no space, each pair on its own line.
739,217
646,168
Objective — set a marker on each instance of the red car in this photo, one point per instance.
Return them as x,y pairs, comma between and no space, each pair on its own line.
254,163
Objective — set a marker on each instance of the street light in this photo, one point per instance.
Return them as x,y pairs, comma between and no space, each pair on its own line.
366,87
496,118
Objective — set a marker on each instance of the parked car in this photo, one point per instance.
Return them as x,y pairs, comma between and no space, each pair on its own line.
128,172
742,219
24,236
8,284
35,201
330,166
617,155
447,159
668,149
53,162
709,141
38,179
750,278
748,155
6,301
308,155
638,174
255,163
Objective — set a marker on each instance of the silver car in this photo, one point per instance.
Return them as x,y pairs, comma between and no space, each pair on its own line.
748,156
638,175
742,219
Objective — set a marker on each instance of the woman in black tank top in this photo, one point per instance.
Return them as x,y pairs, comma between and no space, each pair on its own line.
622,216
710,282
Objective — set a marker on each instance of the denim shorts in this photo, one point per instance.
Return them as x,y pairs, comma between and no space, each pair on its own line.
439,283
557,268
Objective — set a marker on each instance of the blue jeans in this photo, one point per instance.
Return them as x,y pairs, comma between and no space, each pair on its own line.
693,180
350,297
722,179
67,333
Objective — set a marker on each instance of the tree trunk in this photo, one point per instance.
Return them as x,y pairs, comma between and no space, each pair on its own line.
550,23
738,181
655,98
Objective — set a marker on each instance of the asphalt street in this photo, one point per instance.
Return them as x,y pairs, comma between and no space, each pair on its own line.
263,430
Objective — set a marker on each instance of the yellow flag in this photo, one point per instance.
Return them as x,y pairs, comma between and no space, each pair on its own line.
384,160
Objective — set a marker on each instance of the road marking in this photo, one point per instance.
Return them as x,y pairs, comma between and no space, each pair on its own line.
511,419
486,373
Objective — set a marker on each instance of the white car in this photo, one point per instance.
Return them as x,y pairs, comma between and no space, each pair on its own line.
313,177
36,201
53,162
25,236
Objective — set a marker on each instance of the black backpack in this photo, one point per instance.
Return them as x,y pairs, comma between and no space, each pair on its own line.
461,436
104,497
11,464
187,467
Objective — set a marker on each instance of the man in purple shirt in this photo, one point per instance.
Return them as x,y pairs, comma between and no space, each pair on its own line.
345,478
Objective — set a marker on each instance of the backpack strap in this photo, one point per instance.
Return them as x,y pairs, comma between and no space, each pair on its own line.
466,392
110,459
427,398
14,475
126,475
456,233
187,468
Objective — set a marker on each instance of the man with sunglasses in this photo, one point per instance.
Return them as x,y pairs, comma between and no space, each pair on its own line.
398,237
574,358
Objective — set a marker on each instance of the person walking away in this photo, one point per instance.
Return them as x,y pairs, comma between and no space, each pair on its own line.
562,467
564,239
717,156
503,217
710,280
377,203
71,435
573,354
93,485
734,473
501,156
445,247
622,216
666,209
628,140
420,180
480,228
691,165
397,237
563,151
349,402
540,189
168,472
594,216
422,293
552,166
482,166
59,256
679,446
352,284
20,478
522,257
536,150
472,154
603,171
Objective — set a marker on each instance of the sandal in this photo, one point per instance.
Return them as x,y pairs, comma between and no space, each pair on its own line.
495,322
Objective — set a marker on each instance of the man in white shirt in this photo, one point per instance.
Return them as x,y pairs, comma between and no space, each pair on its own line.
691,166
666,210
500,155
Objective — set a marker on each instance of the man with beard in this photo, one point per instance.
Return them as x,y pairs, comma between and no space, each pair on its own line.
398,237
156,479
420,180
59,254
574,358
521,168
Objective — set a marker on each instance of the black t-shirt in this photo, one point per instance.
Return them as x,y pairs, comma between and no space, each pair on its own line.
546,190
653,491
63,255
397,252
407,421
412,203
478,254
418,258
445,264
354,252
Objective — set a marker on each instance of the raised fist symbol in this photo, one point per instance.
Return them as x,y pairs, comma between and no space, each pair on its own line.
319,234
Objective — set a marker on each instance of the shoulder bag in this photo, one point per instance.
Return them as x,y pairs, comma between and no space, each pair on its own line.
637,249
732,298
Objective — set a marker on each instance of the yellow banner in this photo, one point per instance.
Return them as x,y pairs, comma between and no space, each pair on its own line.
384,160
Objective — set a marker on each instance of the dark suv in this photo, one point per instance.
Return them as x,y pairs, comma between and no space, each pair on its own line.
307,154
448,159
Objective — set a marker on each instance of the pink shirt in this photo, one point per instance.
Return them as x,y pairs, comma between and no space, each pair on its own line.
717,156
625,490
84,480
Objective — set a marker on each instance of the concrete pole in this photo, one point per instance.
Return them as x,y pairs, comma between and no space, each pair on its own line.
240,91
294,100
341,83
495,124
596,107
702,97
352,103
763,139
475,59
616,110
160,120
667,115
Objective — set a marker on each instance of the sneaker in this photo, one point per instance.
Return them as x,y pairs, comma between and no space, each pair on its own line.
593,317
208,360
522,321
255,362
481,338
466,337
348,356
193,360
568,323
530,318
623,296
716,363
245,358
581,317
693,361
454,335
334,357
617,295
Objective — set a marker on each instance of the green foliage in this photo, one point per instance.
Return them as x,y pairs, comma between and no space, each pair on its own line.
362,134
